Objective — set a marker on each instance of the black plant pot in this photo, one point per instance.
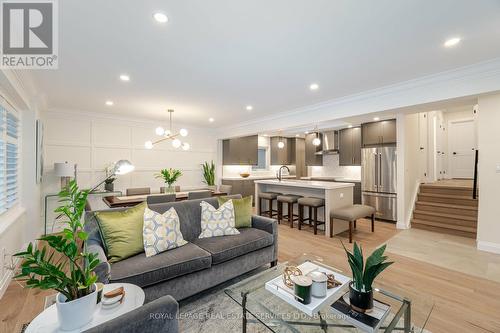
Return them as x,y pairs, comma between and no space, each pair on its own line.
360,301
109,187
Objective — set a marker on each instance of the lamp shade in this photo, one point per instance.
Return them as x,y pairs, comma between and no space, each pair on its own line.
123,167
64,169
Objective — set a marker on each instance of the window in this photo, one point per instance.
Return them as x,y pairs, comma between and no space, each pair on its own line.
261,160
9,132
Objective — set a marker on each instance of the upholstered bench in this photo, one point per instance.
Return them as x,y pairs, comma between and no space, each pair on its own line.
351,214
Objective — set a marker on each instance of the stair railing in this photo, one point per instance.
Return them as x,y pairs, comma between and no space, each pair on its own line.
474,186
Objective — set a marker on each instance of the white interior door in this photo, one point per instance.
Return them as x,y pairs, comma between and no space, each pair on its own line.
462,144
424,143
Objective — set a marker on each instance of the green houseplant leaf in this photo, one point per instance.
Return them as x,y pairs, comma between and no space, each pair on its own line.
374,265
169,176
209,173
71,271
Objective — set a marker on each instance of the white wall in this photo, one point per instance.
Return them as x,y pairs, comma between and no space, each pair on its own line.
408,167
22,223
331,168
488,233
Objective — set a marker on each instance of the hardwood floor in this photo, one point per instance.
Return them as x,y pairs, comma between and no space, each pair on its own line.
463,303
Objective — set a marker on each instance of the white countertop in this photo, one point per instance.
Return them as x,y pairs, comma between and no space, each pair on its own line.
256,177
332,178
305,183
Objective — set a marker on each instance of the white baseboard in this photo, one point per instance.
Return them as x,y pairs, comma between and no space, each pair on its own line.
488,247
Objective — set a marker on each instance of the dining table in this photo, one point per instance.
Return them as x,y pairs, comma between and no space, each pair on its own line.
114,201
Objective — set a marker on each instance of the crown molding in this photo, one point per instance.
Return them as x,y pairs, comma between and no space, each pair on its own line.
464,81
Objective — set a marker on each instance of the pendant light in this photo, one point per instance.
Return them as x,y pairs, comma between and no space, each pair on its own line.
168,134
281,144
316,141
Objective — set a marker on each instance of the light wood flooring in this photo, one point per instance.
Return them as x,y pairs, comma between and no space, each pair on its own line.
462,302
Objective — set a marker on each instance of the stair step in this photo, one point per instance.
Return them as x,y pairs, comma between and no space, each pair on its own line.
446,205
448,191
448,231
457,210
444,225
449,219
449,199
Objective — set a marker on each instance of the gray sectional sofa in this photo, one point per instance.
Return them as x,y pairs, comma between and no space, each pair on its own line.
196,266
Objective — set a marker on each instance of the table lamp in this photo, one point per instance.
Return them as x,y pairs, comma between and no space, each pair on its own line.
121,167
65,171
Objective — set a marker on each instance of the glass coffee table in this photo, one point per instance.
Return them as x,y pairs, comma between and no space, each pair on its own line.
262,307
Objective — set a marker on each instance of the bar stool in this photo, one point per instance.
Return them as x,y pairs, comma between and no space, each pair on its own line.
313,204
270,197
289,199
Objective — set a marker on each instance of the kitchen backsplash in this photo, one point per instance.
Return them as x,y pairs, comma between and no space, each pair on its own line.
229,171
331,168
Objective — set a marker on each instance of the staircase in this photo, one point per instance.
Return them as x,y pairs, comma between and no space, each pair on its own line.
446,209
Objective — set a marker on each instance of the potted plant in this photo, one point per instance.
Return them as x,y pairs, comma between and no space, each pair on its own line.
363,275
65,265
108,183
169,176
209,174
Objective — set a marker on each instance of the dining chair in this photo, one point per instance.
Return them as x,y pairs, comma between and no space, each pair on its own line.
226,189
138,191
155,199
199,194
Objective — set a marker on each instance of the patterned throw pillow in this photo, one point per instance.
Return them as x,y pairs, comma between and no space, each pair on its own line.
161,232
217,222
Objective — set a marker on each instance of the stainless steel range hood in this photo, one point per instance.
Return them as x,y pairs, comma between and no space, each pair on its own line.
330,143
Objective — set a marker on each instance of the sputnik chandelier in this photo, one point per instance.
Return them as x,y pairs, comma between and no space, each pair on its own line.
168,134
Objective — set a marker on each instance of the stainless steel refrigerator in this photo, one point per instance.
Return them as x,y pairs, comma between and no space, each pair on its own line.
378,181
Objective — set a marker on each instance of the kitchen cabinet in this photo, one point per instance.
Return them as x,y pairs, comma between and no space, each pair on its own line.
240,151
380,132
350,146
313,159
285,155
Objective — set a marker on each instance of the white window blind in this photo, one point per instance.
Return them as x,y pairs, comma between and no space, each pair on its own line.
9,159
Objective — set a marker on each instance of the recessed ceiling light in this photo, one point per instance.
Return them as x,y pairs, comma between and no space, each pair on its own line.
160,17
124,77
376,118
109,103
306,132
314,86
211,120
297,135
452,42
264,134
249,108
350,126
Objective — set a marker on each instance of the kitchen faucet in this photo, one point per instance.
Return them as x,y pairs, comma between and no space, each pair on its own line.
279,171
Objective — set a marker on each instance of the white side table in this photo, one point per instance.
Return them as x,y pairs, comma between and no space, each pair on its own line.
48,322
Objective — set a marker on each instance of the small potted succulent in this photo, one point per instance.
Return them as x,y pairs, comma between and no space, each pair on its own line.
363,275
169,176
64,265
108,183
209,174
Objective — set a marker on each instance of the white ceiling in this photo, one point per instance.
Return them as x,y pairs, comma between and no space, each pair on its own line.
214,57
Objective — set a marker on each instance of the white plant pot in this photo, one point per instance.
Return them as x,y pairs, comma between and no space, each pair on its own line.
75,314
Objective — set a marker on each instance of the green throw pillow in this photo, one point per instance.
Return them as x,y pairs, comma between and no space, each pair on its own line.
242,210
122,232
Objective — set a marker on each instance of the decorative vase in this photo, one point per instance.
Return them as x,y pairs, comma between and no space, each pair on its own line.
169,188
76,313
212,187
361,301
110,187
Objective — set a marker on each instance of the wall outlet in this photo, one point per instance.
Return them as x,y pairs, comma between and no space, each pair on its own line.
341,195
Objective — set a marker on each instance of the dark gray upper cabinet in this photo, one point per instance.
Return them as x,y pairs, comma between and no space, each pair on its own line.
285,155
240,151
311,158
350,146
380,132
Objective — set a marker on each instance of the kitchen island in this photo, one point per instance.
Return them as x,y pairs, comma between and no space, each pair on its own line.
336,195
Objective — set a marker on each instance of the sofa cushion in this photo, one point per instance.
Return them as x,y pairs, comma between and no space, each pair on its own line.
225,248
143,271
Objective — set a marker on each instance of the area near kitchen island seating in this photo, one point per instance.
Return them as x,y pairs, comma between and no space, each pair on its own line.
336,195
